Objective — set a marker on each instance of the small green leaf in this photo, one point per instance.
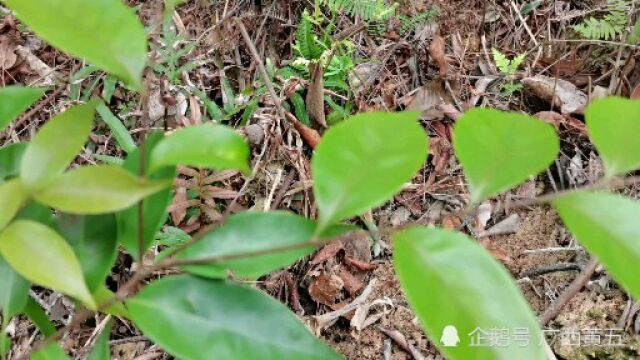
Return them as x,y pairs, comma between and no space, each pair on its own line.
93,239
12,197
14,100
100,350
120,133
100,189
56,144
607,225
103,295
498,150
613,127
209,146
154,207
106,33
52,351
363,161
39,317
41,256
252,232
457,289
193,318
14,291
10,158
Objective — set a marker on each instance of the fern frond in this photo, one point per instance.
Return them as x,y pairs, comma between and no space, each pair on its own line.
307,42
410,23
610,26
366,9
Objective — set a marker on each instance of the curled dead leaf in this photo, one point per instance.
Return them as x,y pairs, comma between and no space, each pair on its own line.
437,53
326,288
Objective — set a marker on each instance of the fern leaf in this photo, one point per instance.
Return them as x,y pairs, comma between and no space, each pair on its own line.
306,40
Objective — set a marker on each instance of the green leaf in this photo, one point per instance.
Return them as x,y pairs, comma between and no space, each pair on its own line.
251,232
193,318
154,207
12,197
106,33
93,239
455,287
56,144
41,256
14,100
120,133
5,344
100,189
100,350
38,213
363,161
613,125
607,225
36,313
209,146
103,295
14,291
498,150
10,158
52,351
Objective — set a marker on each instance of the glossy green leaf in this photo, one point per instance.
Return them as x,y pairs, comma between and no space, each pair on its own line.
14,291
56,144
193,318
607,225
97,190
10,158
251,232
41,256
39,317
459,291
498,150
100,350
102,296
52,351
14,100
119,131
38,213
12,196
106,32
93,239
363,161
613,127
154,207
208,146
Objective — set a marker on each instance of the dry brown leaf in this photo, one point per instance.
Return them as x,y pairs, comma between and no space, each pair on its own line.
359,265
315,94
351,283
636,93
559,92
8,56
309,135
437,53
178,209
451,222
326,288
196,114
327,252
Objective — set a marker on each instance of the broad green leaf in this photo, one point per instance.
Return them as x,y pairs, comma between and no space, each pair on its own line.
91,190
193,318
14,100
252,232
106,32
459,291
56,144
100,350
154,207
52,351
208,146
103,295
118,130
93,239
607,225
14,291
41,256
5,344
39,317
10,158
498,150
363,161
38,213
613,127
12,197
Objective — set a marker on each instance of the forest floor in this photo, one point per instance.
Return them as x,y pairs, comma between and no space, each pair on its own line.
433,56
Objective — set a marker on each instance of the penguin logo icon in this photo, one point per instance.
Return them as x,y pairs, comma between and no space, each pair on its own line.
450,336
